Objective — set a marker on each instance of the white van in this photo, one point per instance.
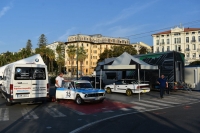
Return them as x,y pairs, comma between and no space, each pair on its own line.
25,83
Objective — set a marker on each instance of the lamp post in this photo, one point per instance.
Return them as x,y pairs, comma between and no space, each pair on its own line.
77,58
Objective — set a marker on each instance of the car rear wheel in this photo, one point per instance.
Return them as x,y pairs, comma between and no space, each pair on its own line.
108,90
128,92
79,100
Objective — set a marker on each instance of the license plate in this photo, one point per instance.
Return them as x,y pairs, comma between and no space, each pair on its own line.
23,95
97,98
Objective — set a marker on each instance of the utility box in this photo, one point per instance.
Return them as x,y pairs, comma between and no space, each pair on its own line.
192,77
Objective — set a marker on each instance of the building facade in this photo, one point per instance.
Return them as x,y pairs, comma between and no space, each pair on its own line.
53,46
94,45
139,45
180,39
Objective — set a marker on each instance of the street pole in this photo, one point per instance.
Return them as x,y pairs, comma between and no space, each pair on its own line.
77,59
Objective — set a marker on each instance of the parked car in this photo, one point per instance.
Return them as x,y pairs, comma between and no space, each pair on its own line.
127,86
92,81
81,91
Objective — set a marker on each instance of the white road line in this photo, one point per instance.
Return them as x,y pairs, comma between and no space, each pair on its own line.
28,113
125,109
156,103
4,114
54,112
138,108
161,101
146,105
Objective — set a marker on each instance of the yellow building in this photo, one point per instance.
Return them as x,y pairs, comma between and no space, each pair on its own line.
94,45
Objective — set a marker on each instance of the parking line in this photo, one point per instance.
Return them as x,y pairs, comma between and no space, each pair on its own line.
4,114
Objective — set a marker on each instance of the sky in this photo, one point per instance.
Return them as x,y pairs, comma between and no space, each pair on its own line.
137,20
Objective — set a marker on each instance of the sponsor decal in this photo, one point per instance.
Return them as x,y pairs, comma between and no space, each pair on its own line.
28,88
22,90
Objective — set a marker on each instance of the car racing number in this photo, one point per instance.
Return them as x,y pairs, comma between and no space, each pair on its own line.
68,93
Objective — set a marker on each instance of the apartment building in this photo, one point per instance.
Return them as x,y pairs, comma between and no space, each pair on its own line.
53,46
139,45
94,45
184,40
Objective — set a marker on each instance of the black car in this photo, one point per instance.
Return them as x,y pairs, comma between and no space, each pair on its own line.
92,81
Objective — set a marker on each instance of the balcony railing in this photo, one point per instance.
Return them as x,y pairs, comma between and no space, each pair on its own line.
193,40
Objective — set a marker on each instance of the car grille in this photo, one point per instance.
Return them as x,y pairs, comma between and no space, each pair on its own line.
95,95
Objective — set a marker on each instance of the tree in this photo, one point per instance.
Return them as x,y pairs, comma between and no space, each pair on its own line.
71,51
116,51
143,50
81,56
29,48
42,42
61,55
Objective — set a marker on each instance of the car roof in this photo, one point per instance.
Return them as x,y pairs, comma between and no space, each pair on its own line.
81,81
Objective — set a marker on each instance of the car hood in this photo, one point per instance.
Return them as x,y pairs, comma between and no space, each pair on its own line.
90,90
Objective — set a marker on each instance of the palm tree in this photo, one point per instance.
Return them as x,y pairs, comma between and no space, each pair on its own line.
71,51
60,59
51,56
81,56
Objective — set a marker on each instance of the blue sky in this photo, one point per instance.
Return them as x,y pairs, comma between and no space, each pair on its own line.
21,20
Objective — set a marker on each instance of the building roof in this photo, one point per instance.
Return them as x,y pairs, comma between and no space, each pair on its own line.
185,30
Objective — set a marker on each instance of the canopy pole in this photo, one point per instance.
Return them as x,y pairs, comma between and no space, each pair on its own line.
139,81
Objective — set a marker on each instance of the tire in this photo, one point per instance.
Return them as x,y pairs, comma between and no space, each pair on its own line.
79,101
101,100
128,92
108,90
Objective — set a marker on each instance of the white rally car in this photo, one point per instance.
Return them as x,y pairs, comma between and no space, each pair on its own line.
80,91
127,86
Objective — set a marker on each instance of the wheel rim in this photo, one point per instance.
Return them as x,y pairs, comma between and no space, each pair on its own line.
128,92
108,90
78,100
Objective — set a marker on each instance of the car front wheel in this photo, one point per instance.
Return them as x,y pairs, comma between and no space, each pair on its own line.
79,100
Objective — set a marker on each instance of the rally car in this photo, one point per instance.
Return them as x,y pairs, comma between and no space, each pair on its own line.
81,91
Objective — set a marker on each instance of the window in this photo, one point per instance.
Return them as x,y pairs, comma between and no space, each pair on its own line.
162,49
194,55
163,41
199,38
187,48
179,47
193,38
187,33
188,55
167,41
168,48
94,51
157,42
30,73
187,39
157,49
194,47
193,32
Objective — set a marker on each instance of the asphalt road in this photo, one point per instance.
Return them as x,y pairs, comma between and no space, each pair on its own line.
177,112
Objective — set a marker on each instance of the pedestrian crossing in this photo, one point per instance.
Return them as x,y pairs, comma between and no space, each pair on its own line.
28,113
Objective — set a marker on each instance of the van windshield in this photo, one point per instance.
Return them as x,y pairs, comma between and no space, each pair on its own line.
30,73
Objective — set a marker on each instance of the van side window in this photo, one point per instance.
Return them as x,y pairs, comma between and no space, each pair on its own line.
30,73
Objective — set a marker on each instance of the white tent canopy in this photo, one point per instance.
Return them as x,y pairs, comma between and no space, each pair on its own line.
128,62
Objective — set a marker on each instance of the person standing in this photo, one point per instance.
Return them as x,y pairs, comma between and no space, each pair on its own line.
162,85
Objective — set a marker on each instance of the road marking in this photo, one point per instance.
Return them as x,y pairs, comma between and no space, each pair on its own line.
108,111
54,112
4,114
138,108
146,105
157,103
161,101
28,113
125,109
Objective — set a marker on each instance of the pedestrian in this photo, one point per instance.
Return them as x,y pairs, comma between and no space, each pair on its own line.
163,84
59,79
58,82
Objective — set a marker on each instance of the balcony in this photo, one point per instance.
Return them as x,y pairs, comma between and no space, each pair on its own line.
193,41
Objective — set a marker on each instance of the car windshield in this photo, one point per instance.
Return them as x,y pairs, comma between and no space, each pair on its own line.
83,85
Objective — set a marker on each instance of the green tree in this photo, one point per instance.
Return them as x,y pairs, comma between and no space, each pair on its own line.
116,51
61,55
42,42
81,57
29,48
143,50
71,52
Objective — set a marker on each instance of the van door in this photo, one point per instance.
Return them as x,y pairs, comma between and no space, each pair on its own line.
21,81
39,81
